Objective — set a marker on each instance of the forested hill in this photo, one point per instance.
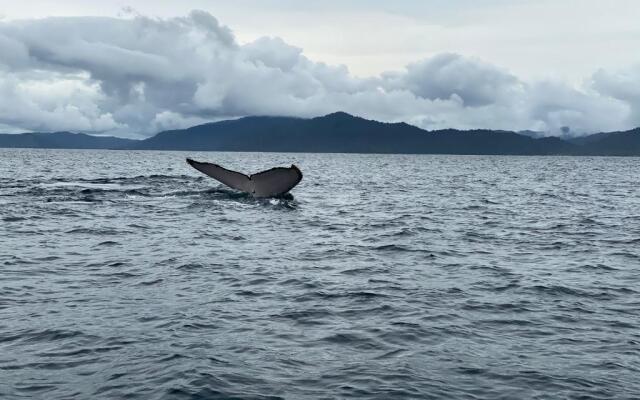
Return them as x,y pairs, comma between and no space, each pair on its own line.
340,133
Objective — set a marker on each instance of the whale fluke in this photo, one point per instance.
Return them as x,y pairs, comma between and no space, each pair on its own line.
270,183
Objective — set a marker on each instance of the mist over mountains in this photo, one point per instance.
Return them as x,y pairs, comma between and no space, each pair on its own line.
340,133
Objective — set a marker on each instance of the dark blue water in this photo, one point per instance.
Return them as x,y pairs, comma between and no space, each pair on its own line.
130,275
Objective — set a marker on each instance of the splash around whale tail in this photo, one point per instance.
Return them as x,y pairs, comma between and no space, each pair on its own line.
270,183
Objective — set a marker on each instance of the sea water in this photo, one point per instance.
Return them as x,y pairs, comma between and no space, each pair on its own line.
130,275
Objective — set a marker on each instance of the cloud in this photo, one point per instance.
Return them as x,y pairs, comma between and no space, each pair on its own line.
136,76
622,85
473,81
36,103
558,105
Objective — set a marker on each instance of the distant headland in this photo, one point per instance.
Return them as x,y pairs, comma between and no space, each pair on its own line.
339,133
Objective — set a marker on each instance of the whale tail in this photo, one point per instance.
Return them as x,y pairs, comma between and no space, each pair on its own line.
270,183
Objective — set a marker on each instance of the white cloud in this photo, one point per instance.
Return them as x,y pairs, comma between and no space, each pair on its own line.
559,105
473,81
54,102
623,85
136,76
167,120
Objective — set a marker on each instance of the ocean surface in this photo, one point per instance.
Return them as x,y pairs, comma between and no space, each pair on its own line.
129,275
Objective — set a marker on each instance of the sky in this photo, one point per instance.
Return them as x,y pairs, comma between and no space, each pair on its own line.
133,68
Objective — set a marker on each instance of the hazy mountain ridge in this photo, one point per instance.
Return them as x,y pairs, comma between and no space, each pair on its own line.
63,140
340,133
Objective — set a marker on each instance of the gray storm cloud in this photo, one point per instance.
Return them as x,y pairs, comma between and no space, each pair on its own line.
136,76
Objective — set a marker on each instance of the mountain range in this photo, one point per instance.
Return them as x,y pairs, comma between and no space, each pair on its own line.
340,133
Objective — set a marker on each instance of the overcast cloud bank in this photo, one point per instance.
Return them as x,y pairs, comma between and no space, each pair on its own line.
137,76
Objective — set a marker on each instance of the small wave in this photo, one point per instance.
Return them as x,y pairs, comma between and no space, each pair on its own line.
249,293
593,267
191,266
120,275
124,179
79,352
403,232
400,248
151,283
359,294
358,341
622,241
98,231
559,290
107,243
13,219
286,202
519,307
304,314
507,321
45,335
198,193
199,326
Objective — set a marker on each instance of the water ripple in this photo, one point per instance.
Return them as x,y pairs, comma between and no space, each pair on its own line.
439,277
